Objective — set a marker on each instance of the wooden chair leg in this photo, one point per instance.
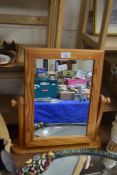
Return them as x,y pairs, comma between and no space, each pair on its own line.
83,20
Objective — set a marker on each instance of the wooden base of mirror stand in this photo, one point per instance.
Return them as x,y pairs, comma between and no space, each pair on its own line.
16,148
20,148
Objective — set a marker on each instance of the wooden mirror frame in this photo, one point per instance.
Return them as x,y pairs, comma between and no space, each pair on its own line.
54,142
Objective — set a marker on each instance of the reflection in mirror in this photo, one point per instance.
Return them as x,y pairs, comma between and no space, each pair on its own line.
61,96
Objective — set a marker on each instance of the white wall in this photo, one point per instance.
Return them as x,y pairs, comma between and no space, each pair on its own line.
71,20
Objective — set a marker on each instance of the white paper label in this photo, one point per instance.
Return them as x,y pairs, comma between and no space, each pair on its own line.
62,67
65,54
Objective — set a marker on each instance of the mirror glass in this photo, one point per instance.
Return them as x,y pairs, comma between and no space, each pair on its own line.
62,91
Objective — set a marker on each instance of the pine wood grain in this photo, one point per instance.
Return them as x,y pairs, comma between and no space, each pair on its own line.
30,56
23,20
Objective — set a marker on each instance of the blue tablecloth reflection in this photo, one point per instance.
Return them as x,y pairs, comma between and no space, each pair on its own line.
67,111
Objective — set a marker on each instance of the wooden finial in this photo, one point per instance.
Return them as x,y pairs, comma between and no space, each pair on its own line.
13,103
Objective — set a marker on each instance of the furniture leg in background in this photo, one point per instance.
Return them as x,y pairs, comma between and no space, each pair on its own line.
20,105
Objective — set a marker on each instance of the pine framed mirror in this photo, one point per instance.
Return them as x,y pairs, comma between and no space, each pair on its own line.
61,101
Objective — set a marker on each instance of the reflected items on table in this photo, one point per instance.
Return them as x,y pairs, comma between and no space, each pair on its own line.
64,85
45,88
61,92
